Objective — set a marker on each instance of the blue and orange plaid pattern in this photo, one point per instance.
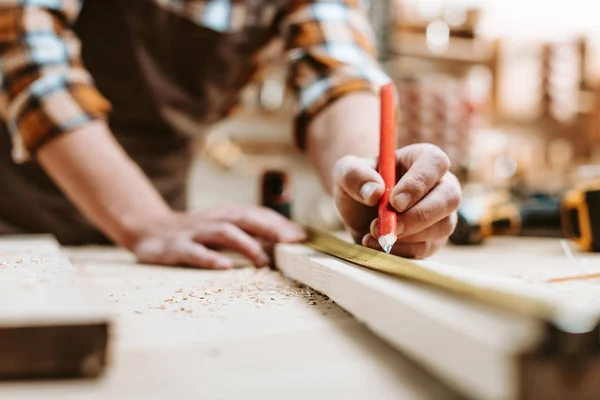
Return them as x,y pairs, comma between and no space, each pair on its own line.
45,90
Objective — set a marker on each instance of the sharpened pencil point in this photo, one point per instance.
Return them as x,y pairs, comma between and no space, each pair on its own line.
387,242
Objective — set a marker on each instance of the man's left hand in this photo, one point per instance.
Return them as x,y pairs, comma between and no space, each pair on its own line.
426,198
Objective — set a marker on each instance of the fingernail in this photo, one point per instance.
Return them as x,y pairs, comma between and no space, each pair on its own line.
300,233
402,201
367,190
293,235
365,239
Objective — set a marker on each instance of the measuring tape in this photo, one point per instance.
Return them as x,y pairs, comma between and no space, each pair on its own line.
403,268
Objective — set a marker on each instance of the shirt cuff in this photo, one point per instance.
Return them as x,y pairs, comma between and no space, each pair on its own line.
52,106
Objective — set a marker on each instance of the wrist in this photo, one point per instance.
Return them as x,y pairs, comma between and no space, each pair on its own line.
134,228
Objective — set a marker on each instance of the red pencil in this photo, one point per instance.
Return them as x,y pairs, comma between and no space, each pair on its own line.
387,167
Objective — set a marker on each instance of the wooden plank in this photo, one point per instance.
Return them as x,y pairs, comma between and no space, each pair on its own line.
571,313
472,347
243,331
52,323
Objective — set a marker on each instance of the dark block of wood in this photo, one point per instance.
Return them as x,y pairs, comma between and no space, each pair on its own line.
52,323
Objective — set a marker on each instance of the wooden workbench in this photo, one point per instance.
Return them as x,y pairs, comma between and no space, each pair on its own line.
186,333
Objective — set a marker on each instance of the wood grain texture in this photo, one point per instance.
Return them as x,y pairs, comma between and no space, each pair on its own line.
238,342
472,347
184,333
52,324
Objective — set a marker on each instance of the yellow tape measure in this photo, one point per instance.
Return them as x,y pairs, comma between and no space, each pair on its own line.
403,268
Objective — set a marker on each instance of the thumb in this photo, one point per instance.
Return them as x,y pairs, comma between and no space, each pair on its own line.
358,178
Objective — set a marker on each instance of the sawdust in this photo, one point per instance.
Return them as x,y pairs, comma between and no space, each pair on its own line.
248,286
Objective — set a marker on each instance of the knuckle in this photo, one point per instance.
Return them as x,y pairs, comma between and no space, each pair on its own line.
454,197
447,226
437,154
226,231
422,216
441,160
343,167
233,212
418,184
350,172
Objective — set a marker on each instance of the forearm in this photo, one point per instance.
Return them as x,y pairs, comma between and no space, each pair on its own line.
347,127
103,182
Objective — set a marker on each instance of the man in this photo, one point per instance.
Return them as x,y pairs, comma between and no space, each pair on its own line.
167,69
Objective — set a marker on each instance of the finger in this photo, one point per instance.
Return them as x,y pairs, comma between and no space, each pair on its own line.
270,225
228,236
261,222
196,255
441,230
374,228
358,178
443,200
418,250
425,165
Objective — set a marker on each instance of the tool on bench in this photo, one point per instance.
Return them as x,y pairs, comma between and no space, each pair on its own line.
581,216
575,215
497,214
276,192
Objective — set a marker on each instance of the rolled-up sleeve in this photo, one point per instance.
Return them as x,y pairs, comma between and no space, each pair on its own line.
45,90
332,52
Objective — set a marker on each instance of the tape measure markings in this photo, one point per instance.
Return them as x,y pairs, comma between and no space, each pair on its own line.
485,290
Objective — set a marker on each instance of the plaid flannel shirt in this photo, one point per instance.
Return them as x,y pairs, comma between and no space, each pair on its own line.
46,91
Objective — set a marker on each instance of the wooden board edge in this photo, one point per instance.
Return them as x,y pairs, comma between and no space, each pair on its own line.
472,365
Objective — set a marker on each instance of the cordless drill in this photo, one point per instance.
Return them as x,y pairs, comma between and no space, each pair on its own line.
574,215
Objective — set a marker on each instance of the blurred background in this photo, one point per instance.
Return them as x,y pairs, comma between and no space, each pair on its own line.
509,89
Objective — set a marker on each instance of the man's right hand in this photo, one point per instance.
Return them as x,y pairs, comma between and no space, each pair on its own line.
192,238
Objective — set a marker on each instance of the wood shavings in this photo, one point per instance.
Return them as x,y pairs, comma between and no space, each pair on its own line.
243,287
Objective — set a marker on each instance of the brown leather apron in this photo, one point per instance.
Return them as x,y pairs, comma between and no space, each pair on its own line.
167,77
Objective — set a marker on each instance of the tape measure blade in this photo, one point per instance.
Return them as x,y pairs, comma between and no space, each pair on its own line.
406,269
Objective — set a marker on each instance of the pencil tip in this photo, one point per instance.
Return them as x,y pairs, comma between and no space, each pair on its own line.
387,242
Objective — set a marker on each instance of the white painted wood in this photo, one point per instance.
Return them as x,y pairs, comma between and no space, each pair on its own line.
470,346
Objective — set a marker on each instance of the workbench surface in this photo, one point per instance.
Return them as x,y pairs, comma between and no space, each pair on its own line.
247,333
